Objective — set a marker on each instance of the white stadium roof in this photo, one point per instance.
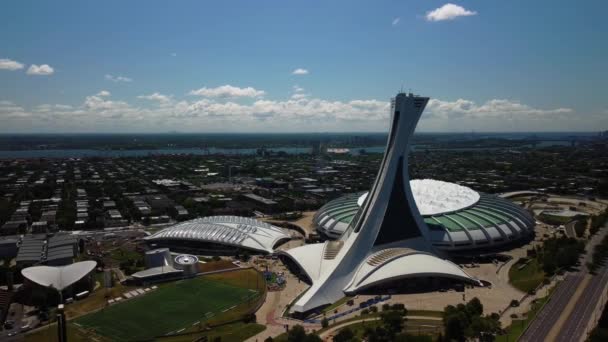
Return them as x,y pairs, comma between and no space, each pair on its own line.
437,197
235,231
475,221
58,277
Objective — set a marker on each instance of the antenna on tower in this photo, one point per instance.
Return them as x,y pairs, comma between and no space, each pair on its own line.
401,88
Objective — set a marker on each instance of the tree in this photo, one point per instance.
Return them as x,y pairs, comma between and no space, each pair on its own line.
324,322
392,322
312,338
455,325
377,335
344,335
296,334
474,307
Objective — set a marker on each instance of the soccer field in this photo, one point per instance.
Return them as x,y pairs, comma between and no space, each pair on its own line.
167,309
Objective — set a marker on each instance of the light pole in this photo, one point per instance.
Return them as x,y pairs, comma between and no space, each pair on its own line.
60,316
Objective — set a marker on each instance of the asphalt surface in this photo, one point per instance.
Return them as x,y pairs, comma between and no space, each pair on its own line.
575,326
574,329
548,316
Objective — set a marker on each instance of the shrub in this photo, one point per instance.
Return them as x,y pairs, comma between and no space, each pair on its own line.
249,318
398,306
514,303
324,323
364,312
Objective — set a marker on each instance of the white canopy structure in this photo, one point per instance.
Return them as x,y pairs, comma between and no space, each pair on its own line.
231,231
59,277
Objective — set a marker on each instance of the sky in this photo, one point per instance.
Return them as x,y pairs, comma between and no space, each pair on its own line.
301,66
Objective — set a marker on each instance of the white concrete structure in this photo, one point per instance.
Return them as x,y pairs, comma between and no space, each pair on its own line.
476,222
387,239
158,257
59,277
221,233
187,263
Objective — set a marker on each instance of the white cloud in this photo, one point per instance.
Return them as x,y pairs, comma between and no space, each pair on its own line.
301,112
227,91
298,93
118,78
9,110
40,70
45,108
396,21
300,71
448,12
163,99
299,96
8,64
496,108
103,93
173,54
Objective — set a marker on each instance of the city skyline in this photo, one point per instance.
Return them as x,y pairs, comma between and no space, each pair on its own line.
275,67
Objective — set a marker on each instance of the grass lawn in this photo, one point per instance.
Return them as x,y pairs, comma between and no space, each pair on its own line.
234,332
518,326
427,313
554,219
75,334
339,302
528,278
169,308
94,301
426,330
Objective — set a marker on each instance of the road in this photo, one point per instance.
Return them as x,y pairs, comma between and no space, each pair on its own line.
575,327
548,316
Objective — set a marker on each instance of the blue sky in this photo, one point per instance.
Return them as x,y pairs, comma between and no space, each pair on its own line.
156,66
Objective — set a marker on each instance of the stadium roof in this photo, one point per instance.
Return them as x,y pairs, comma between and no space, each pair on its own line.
58,277
435,197
235,231
489,220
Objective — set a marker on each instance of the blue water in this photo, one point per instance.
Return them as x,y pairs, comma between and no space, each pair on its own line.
83,153
142,153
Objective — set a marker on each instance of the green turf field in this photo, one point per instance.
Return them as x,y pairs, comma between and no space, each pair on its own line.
167,309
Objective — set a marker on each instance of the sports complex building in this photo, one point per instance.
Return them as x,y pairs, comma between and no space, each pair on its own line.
459,219
400,231
220,235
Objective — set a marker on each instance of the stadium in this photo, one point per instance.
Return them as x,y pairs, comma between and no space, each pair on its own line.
402,232
220,235
459,218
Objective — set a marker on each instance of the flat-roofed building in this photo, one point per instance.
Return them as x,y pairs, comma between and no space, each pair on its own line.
261,203
39,227
13,227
